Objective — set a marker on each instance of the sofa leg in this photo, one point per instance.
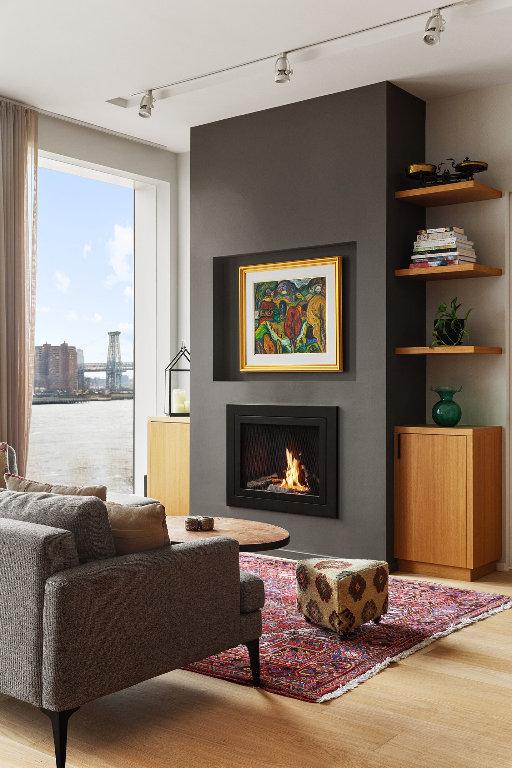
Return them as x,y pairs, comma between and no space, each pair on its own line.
254,657
59,722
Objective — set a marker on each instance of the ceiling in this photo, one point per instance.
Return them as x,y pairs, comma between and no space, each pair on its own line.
71,58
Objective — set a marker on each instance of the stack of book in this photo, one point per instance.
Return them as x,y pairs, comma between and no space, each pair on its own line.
441,246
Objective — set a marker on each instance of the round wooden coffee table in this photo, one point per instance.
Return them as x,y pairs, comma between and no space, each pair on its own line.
250,534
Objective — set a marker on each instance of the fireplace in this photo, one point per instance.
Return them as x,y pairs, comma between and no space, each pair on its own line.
283,458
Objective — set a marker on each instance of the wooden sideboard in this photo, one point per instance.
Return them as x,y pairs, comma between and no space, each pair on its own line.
448,506
169,462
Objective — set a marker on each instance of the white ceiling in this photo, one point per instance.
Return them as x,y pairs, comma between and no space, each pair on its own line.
71,56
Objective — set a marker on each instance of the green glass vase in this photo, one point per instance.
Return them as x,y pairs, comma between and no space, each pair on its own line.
446,412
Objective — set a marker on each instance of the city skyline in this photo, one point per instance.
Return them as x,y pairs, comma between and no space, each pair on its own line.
85,263
61,369
101,359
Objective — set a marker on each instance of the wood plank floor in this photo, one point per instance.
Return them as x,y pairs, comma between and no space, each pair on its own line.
448,706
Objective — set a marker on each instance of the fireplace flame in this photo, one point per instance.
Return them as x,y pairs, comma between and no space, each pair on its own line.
292,475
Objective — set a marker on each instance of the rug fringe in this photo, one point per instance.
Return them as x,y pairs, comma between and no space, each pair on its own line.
428,641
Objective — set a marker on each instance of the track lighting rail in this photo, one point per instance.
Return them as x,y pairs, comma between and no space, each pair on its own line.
279,55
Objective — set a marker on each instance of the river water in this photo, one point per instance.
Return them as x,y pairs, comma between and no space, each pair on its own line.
83,444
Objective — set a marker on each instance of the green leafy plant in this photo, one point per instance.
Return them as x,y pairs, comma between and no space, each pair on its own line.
449,328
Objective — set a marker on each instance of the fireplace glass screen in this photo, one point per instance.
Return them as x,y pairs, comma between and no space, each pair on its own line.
279,458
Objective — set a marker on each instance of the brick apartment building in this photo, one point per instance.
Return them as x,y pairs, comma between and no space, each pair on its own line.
56,368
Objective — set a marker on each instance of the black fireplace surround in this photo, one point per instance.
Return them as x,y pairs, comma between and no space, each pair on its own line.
262,440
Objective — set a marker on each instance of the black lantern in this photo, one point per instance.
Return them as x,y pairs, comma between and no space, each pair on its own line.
177,400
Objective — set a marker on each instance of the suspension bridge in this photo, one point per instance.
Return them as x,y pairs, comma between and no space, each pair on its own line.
114,367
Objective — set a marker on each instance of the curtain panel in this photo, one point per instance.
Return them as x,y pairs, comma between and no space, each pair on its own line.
18,223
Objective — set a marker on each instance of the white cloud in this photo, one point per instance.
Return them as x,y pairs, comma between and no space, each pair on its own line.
126,327
128,291
42,309
86,251
94,318
120,256
61,281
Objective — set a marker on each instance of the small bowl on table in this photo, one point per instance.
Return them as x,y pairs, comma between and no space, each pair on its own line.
199,523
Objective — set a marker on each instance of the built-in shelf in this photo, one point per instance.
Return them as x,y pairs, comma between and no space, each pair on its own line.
444,350
449,194
453,272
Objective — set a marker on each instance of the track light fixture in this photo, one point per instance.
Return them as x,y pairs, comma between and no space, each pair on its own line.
433,28
146,104
282,69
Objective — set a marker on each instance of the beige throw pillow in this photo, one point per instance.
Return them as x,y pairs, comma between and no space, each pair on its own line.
137,529
17,483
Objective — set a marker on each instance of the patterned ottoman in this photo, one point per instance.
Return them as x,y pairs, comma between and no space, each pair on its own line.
342,594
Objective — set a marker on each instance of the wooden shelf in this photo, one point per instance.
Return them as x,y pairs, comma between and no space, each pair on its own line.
449,194
455,350
454,272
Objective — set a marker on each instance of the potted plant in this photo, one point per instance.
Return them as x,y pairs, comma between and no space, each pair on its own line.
449,328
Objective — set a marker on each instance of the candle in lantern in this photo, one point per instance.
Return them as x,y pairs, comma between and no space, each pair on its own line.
179,397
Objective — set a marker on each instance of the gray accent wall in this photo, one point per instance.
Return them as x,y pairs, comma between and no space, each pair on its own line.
311,178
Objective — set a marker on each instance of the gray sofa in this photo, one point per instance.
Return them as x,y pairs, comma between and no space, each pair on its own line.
77,623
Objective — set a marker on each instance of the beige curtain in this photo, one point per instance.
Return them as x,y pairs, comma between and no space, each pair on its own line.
18,219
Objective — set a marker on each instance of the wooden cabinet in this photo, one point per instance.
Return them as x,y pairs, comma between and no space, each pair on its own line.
169,462
448,500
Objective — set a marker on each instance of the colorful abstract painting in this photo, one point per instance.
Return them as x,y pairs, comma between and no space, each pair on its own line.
291,315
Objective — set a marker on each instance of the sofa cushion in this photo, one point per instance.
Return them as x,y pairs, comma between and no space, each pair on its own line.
130,499
252,592
17,483
85,516
137,529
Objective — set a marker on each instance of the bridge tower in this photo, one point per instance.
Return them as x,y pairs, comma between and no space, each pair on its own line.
113,368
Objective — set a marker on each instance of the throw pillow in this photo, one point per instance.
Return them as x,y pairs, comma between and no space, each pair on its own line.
137,529
17,483
85,517
3,463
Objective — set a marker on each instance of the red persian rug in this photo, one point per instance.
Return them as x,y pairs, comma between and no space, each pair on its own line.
313,664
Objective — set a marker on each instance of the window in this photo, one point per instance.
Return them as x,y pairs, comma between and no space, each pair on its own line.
82,418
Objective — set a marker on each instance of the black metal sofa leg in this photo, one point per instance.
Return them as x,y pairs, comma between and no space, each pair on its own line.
253,646
59,722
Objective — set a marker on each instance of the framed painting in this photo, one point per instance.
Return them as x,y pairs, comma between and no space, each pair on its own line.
290,316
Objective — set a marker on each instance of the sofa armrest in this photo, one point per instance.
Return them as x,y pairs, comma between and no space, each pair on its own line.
29,554
113,623
252,592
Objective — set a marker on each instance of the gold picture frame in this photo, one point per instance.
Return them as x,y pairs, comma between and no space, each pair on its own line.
293,292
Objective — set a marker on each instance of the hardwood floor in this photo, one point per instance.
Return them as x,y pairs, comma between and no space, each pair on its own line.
447,706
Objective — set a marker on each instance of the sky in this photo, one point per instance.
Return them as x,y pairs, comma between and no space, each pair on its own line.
84,264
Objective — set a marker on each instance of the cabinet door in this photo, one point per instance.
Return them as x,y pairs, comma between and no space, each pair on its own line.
430,498
168,465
